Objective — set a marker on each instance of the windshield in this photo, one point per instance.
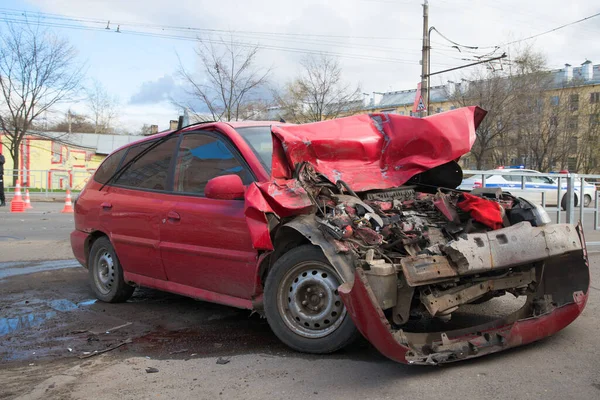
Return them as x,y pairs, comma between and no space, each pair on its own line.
259,138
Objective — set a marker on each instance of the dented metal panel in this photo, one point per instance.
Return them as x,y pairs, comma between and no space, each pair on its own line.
515,245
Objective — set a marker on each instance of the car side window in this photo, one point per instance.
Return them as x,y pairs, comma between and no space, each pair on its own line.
150,171
109,166
512,178
202,157
537,179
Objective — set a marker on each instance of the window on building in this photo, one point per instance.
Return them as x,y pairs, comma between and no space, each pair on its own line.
594,120
414,114
554,101
574,102
573,124
202,157
151,170
401,112
56,153
554,121
389,111
453,107
595,97
439,110
109,166
573,144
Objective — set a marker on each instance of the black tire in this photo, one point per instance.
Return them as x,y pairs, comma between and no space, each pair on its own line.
106,274
291,325
563,202
587,200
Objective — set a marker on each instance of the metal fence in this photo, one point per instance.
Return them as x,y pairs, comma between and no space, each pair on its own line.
575,184
47,182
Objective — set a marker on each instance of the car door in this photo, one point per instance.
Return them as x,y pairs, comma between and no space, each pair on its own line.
136,206
541,184
205,243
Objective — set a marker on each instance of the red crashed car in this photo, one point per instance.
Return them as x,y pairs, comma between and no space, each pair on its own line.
330,229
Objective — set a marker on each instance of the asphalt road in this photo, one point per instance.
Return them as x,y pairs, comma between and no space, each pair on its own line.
49,319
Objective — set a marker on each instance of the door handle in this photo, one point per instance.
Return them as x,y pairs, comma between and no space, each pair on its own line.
106,206
174,216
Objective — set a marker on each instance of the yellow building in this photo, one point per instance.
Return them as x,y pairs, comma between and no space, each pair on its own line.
58,160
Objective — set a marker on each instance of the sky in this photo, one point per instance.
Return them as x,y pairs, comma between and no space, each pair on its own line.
378,42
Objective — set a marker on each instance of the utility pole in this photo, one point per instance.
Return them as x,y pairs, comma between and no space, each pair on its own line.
425,58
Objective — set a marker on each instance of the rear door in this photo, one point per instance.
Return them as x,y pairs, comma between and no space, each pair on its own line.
205,243
136,207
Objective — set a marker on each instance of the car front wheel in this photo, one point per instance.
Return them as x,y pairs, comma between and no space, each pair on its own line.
106,274
302,303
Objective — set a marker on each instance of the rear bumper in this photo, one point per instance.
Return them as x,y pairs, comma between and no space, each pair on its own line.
560,297
78,240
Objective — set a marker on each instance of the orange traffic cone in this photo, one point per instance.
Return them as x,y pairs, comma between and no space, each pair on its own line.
68,208
17,205
27,200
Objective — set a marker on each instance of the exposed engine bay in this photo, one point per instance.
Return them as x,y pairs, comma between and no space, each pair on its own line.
406,241
426,251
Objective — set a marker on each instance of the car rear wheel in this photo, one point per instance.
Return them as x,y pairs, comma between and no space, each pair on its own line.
587,200
106,274
302,304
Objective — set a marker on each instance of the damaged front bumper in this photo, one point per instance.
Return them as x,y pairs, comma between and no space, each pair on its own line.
561,294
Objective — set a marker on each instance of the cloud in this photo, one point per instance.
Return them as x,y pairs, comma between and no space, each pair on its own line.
157,91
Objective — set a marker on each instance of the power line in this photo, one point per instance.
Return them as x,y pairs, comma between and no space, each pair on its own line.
241,44
552,30
15,12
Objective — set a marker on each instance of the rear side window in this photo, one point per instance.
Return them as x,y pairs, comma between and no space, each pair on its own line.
202,157
150,171
109,166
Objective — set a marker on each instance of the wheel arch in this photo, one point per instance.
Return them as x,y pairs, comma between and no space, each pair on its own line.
304,230
89,242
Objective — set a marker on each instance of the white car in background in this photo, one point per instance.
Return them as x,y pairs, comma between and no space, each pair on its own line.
510,181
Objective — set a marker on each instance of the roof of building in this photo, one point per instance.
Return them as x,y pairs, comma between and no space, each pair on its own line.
99,143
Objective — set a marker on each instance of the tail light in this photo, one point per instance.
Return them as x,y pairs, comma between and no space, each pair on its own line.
476,185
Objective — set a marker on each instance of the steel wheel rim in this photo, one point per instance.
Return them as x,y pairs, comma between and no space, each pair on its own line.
308,300
105,271
587,199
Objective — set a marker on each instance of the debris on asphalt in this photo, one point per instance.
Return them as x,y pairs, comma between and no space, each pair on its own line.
96,352
178,351
151,370
223,361
109,330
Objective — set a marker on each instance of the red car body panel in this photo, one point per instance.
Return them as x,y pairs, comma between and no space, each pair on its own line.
359,152
213,249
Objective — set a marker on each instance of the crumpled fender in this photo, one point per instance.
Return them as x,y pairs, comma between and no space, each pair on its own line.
377,151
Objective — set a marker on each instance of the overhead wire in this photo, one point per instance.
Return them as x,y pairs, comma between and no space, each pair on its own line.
210,40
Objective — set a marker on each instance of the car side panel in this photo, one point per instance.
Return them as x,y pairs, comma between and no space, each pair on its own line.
134,231
209,246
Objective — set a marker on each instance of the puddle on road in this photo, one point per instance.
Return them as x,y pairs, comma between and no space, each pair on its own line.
13,268
31,319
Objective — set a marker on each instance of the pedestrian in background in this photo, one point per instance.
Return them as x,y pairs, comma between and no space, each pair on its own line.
2,198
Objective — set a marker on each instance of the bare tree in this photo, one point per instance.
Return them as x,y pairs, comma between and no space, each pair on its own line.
489,90
228,78
319,92
103,107
37,71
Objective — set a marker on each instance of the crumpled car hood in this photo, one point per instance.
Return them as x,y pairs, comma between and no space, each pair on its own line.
375,151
